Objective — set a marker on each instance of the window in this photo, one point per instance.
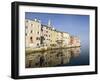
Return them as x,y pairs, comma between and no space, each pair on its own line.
41,28
31,31
37,38
25,34
46,35
37,44
26,27
46,31
31,39
37,32
27,21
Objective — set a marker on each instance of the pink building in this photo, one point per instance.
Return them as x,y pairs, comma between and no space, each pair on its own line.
74,41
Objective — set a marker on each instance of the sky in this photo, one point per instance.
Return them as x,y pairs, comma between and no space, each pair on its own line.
76,25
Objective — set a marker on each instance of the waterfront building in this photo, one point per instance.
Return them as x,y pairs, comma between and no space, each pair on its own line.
53,37
66,39
74,41
59,39
40,35
46,35
32,33
77,41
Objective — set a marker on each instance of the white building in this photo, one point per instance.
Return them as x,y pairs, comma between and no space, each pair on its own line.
46,34
32,33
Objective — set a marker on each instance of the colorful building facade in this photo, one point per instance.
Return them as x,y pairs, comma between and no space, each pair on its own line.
39,35
74,41
66,39
46,35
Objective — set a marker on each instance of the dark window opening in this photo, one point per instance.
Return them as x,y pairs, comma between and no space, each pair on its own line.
37,44
31,39
26,20
37,38
31,31
26,27
41,28
26,34
38,32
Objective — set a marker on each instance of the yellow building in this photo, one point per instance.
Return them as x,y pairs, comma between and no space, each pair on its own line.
53,37
32,33
59,39
66,39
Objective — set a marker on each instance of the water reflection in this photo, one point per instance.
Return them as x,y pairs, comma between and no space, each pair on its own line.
51,58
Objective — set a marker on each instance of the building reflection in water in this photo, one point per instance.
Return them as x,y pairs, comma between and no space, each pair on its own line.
51,58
